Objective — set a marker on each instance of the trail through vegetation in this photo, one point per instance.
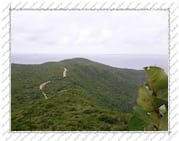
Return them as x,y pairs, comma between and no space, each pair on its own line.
42,86
47,82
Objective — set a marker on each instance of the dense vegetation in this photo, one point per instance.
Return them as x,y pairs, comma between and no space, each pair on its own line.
93,96
72,110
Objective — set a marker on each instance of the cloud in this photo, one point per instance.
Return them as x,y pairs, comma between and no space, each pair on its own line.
92,36
89,32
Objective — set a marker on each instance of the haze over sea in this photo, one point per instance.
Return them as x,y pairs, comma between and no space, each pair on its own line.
114,60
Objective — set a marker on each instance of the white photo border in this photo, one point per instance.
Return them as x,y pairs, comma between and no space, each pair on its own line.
5,100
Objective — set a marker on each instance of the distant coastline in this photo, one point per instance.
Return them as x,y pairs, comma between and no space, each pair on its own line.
115,60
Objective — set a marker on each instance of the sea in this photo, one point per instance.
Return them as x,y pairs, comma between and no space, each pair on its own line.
130,61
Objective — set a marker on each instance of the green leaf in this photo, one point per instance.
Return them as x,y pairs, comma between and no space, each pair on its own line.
157,78
163,94
136,124
151,112
163,125
143,121
158,102
145,99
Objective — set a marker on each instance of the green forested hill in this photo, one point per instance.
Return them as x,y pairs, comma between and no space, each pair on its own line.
72,110
93,96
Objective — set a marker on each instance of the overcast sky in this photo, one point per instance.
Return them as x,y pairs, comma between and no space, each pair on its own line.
89,32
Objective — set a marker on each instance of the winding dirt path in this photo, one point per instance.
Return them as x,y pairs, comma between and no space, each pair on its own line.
45,83
42,86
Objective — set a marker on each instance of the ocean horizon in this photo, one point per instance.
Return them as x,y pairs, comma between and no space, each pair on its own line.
115,60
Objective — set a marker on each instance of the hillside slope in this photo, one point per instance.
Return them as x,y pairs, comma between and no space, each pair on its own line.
72,110
109,89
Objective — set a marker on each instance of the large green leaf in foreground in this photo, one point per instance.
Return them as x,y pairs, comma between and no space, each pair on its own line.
151,112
